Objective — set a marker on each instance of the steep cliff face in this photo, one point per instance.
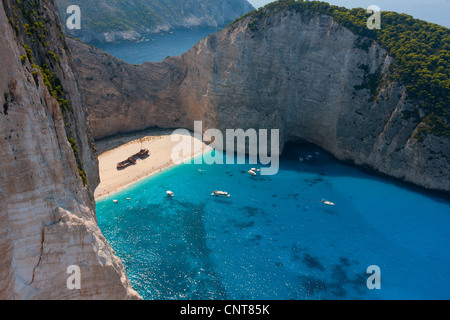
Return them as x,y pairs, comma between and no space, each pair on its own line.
48,168
127,97
114,20
301,73
310,77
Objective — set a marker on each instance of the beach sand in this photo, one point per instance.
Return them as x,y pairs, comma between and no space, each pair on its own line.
118,148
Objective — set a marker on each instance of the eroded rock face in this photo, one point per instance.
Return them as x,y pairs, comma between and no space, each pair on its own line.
47,213
127,97
303,74
308,76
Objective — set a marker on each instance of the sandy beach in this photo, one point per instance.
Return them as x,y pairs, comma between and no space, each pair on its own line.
118,148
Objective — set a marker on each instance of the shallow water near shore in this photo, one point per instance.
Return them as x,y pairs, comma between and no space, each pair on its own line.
274,239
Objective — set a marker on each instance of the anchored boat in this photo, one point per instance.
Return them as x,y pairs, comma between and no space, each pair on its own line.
253,171
328,203
221,194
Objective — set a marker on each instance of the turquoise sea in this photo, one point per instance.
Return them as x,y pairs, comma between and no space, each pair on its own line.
274,239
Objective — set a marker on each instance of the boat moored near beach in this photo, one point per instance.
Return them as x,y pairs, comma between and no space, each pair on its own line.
221,194
170,193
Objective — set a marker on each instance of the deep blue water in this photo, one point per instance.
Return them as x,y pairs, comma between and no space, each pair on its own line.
274,239
157,47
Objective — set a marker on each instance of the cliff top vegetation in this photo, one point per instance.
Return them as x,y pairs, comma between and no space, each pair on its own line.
421,51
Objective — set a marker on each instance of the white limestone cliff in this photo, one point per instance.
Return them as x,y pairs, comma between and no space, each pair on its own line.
47,213
303,74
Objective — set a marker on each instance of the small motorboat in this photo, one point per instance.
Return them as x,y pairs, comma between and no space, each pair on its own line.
116,201
127,198
328,203
221,194
253,173
170,193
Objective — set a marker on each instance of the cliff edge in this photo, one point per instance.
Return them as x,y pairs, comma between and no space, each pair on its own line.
290,68
48,168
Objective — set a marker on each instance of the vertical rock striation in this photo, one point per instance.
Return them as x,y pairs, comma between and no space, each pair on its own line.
298,72
48,167
317,81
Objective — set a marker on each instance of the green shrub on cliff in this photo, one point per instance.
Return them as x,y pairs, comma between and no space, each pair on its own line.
31,24
421,51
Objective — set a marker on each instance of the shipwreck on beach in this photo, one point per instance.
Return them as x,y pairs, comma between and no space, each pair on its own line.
142,154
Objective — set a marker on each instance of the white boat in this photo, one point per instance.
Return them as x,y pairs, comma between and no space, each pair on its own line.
253,173
170,193
127,198
221,194
116,201
329,203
